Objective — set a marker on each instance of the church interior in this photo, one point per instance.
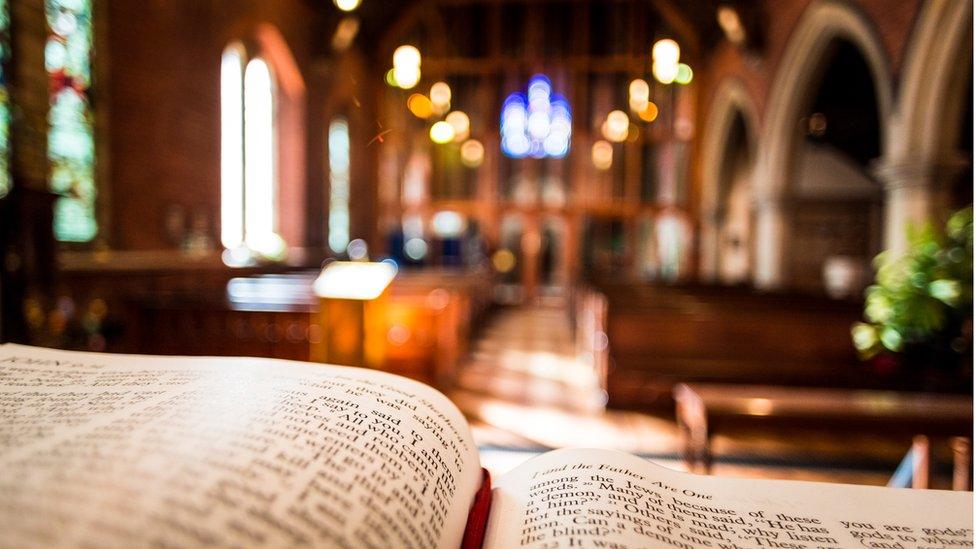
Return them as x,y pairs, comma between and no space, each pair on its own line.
730,236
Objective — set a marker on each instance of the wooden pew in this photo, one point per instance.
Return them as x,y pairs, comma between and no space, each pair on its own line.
658,336
703,410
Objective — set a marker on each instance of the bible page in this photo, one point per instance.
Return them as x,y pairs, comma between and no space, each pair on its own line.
602,498
102,450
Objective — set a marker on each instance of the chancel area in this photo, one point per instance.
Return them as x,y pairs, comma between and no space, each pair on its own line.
731,237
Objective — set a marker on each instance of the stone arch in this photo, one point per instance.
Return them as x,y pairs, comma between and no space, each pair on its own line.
920,158
731,102
796,81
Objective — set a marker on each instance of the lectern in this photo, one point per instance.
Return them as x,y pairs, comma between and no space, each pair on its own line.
352,298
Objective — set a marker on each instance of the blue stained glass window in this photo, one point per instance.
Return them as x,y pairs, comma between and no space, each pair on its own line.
537,124
71,145
5,180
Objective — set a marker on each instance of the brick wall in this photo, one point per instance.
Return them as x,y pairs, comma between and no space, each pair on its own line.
163,95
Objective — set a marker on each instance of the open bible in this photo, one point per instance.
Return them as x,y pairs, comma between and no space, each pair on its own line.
101,450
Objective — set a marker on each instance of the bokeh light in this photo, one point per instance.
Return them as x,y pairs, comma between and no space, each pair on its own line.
538,123
649,114
461,124
406,66
440,97
684,74
420,106
639,94
346,5
448,224
616,127
358,250
817,124
406,56
731,24
633,133
406,76
415,248
441,132
665,72
345,33
665,55
472,153
666,51
503,260
602,155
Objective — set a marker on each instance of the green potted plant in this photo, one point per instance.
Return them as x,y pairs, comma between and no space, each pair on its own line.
919,310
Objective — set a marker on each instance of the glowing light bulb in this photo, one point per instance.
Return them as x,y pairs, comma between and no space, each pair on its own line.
602,155
406,56
346,5
666,51
472,153
441,132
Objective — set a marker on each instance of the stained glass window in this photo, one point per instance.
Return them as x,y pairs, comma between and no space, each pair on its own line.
339,184
537,124
71,146
5,181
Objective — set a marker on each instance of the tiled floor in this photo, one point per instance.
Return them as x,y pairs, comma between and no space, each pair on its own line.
525,392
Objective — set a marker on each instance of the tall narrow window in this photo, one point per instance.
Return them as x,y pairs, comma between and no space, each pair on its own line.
259,155
248,198
339,185
5,180
232,147
70,145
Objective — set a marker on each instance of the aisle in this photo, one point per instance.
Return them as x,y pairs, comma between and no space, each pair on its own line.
525,391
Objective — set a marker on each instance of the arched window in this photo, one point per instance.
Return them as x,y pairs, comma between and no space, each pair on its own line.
232,147
248,153
70,141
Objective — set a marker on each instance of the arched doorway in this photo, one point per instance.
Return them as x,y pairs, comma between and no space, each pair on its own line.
835,205
830,39
734,214
728,157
